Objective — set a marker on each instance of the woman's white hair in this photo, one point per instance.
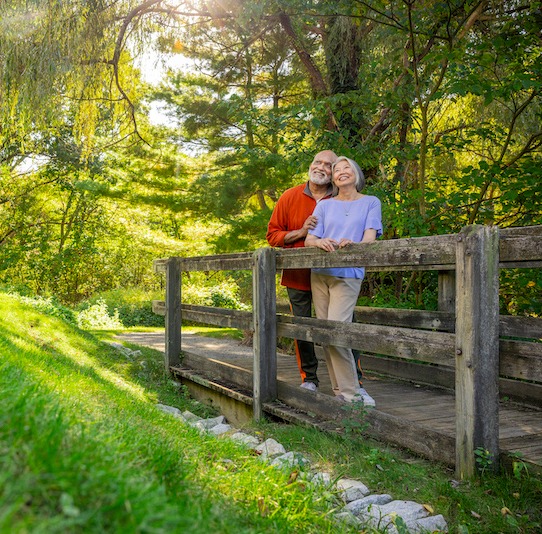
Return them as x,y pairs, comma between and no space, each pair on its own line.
358,173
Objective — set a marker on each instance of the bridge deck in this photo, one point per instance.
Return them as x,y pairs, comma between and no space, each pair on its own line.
520,427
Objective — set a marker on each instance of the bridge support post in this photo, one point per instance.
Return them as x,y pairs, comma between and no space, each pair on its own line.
477,348
173,313
264,304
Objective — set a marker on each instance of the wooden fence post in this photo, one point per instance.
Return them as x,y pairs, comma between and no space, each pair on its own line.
477,348
173,313
264,304
446,291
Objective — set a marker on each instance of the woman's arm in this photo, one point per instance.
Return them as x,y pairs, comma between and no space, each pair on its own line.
369,236
325,243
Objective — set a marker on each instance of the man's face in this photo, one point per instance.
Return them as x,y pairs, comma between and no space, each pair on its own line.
320,168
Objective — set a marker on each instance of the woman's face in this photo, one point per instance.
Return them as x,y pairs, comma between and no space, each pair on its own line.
343,174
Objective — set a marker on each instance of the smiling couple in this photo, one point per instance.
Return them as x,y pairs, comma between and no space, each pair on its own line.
347,216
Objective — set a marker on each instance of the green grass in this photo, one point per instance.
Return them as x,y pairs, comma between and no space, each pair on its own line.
83,449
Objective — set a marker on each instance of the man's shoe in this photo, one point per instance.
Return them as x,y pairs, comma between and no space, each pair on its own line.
366,398
311,386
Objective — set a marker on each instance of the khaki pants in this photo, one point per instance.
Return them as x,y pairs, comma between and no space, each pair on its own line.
334,299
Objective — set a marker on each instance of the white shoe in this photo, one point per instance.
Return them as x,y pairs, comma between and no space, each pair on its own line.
366,398
311,386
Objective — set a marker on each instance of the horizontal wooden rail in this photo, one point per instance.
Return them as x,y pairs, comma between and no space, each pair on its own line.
427,253
243,261
509,326
407,343
519,247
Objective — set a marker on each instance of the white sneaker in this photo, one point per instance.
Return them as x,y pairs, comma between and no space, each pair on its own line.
311,386
366,398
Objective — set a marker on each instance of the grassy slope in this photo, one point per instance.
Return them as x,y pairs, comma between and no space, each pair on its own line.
84,449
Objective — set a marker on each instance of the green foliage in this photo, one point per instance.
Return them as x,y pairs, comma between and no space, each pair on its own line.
484,460
133,307
521,292
215,290
353,422
98,317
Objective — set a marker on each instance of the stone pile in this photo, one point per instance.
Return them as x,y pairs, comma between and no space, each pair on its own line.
360,508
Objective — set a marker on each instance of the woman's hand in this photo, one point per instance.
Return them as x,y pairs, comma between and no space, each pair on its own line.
326,243
345,242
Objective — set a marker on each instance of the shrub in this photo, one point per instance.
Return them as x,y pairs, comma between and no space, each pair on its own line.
96,317
134,306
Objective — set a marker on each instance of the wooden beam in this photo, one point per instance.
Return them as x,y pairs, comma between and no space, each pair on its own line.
446,291
173,313
408,343
477,347
427,253
264,304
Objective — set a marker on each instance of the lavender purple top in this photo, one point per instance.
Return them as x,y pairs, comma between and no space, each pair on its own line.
340,219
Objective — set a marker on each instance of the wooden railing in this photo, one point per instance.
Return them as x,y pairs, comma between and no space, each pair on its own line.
460,346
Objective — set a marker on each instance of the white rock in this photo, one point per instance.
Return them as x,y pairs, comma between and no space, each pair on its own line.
348,518
352,490
290,459
121,348
189,416
434,523
207,424
270,448
359,506
220,429
172,410
383,516
245,439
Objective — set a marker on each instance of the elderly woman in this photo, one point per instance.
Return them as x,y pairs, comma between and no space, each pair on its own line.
349,217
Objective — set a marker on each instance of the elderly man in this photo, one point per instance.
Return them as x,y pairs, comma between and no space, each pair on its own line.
291,220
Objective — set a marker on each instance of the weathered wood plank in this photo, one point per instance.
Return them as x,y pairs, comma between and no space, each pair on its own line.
265,328
382,426
446,291
525,327
241,261
218,316
515,231
477,346
159,307
160,265
527,393
426,320
173,313
434,347
521,359
520,248
435,252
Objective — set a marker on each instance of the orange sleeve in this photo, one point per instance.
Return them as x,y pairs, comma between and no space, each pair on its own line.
278,224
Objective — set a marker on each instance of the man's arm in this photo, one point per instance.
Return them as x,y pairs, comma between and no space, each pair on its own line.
296,235
280,231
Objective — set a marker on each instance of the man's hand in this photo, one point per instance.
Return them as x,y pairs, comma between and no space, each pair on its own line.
296,235
309,224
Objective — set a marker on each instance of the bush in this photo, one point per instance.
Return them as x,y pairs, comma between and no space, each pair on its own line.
96,317
134,306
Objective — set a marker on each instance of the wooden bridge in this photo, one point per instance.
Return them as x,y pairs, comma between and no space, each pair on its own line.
437,377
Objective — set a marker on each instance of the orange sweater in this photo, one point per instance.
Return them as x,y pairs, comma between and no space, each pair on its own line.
291,211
